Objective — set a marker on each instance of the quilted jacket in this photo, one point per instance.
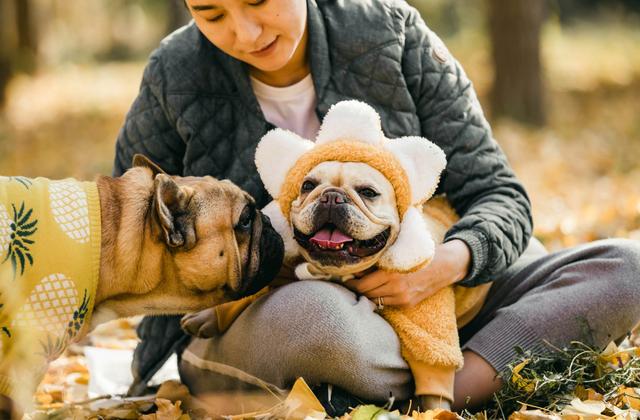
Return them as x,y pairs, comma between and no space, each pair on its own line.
196,114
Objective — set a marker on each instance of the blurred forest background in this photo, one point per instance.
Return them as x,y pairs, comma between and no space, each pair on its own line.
558,79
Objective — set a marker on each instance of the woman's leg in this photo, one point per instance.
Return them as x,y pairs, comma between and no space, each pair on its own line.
318,330
589,293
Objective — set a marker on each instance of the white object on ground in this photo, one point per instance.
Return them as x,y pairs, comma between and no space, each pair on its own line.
110,371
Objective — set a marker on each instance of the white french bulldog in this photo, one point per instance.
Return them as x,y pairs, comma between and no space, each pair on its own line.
355,200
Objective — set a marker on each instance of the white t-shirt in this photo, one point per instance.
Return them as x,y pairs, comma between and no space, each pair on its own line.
290,107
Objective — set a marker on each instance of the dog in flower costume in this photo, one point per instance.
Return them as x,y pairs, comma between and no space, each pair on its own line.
354,200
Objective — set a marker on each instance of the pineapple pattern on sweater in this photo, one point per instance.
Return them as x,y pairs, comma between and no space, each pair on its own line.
49,267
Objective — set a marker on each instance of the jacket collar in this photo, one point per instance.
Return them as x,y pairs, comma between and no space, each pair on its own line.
238,71
318,48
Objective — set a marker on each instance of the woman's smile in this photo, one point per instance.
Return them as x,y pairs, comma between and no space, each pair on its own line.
266,50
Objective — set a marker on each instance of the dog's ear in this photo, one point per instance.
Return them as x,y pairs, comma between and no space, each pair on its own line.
142,160
277,152
423,162
172,206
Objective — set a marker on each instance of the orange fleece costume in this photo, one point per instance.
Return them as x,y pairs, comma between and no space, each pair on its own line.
351,132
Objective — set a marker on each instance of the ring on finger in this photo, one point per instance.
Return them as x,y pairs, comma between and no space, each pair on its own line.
380,303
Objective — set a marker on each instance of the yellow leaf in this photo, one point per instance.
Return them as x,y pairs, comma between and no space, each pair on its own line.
82,379
533,415
617,358
586,410
166,411
175,391
436,414
42,398
593,395
124,413
526,385
301,403
630,397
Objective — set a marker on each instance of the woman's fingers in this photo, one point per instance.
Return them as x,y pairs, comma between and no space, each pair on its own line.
387,301
385,290
393,288
368,282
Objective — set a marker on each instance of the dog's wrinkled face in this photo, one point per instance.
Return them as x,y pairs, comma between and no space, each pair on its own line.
345,217
232,246
220,246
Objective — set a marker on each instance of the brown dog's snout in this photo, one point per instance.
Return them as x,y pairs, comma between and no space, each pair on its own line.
333,197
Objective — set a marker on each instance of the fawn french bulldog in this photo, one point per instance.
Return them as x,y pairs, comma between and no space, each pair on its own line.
75,254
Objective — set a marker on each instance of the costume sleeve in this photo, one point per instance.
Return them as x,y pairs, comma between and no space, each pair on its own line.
149,127
495,210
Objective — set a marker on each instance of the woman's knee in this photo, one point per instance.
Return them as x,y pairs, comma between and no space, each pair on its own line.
629,251
334,336
625,253
619,283
319,314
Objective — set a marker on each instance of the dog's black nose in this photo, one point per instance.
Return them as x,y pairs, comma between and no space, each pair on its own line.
333,197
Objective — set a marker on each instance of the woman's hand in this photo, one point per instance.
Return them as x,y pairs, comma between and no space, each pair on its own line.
449,265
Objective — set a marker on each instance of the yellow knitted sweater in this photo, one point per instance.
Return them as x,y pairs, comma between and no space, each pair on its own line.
49,267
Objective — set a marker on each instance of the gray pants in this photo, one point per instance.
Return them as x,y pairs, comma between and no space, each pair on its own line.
326,334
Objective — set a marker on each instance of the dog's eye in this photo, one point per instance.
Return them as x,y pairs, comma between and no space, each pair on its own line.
368,192
308,186
246,218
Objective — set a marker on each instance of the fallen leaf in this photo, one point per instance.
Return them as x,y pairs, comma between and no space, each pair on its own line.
629,397
587,410
367,412
526,385
533,415
166,411
174,391
437,414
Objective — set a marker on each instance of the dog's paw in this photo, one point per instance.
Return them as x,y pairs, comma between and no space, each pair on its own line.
431,402
203,324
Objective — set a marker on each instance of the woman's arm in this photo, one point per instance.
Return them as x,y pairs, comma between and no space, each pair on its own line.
148,129
495,210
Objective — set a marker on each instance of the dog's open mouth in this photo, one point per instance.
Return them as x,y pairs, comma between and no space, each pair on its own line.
331,242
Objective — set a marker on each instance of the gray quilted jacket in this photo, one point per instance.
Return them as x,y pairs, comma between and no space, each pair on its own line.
196,114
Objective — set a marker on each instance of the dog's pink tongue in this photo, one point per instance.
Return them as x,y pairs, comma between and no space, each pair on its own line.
330,237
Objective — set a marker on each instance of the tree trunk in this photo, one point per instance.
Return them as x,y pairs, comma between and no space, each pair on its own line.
18,41
7,46
27,38
518,90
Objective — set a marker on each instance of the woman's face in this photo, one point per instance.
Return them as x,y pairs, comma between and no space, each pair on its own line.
263,33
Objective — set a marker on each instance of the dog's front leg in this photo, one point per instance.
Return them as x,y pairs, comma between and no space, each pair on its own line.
203,324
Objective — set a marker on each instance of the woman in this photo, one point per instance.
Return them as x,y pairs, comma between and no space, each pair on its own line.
214,87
